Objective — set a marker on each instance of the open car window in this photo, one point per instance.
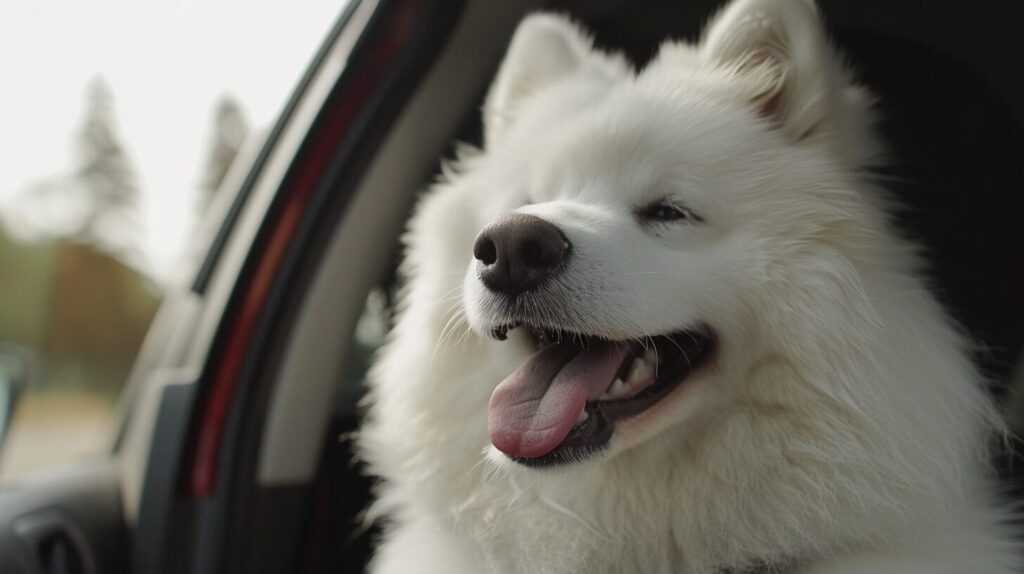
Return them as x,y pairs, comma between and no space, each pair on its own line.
112,159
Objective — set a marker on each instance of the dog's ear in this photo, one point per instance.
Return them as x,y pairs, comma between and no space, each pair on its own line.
544,49
779,48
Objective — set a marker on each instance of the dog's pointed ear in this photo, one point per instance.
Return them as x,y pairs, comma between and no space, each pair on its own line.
544,49
779,47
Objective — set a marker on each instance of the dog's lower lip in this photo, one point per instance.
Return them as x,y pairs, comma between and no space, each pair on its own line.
679,354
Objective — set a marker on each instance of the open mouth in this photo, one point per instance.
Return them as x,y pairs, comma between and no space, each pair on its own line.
563,403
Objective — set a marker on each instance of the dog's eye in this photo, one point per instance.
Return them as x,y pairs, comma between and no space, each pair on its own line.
668,212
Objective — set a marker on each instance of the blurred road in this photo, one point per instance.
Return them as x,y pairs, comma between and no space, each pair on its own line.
53,428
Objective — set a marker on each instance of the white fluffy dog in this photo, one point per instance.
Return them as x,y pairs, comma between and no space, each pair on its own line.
661,323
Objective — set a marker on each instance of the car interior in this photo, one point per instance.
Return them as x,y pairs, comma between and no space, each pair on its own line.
250,467
948,106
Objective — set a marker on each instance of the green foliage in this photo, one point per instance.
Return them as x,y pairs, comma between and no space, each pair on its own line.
82,310
26,276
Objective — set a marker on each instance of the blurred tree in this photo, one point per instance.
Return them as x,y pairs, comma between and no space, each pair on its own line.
107,179
229,130
78,297
98,312
82,309
97,203
25,291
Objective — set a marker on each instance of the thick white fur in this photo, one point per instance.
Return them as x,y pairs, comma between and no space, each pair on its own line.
841,428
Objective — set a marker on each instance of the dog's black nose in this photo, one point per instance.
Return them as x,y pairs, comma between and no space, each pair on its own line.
518,252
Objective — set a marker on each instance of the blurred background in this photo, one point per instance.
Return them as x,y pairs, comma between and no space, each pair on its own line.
118,121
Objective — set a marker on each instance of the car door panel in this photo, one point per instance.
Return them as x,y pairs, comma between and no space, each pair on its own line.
68,520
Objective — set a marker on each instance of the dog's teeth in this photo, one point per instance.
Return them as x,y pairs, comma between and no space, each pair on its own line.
617,390
651,356
584,415
639,371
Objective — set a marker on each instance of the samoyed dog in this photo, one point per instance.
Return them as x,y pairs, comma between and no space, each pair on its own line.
661,323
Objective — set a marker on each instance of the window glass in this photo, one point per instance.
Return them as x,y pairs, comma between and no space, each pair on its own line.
118,121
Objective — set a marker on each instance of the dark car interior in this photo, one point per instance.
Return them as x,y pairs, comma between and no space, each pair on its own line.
951,108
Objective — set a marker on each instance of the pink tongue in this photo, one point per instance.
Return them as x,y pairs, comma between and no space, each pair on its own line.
533,410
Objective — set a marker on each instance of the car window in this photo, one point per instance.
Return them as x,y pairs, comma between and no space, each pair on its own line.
371,332
120,120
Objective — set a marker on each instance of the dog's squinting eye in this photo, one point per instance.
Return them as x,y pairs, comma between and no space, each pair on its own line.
667,212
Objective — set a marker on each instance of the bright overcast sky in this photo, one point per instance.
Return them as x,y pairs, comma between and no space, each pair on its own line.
167,61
